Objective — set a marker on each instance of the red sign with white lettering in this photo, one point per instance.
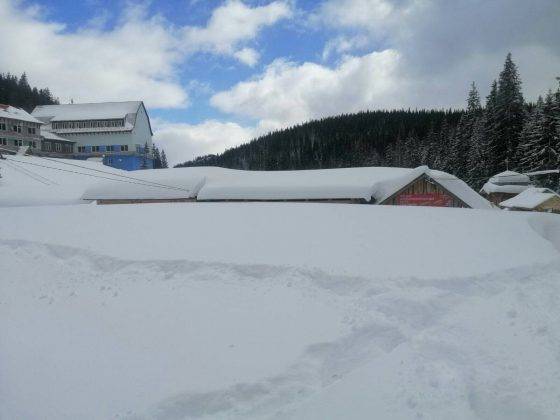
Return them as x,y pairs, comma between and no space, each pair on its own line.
427,199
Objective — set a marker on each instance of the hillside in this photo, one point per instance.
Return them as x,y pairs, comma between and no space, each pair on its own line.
359,139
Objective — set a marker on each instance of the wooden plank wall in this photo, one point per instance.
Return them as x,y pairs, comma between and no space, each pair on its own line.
423,186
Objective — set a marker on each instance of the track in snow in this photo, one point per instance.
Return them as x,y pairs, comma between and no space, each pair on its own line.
90,336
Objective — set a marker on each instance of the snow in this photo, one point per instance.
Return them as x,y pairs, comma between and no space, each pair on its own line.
510,177
529,199
212,183
8,111
49,135
347,183
33,180
278,311
490,188
88,111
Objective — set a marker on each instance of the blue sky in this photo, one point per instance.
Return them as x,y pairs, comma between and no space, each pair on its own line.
214,74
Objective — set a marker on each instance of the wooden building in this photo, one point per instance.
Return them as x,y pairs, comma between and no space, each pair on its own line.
505,185
534,199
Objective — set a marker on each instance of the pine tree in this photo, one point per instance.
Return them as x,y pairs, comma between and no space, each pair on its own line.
531,139
163,159
156,157
478,165
490,130
145,153
509,117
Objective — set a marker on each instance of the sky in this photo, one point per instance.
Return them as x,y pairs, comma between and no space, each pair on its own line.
217,73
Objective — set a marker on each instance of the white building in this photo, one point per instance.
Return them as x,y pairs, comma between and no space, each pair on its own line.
115,131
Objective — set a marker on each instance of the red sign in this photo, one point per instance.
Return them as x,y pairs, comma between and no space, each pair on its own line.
427,199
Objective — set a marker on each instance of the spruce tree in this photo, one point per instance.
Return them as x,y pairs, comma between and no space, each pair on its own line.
509,117
478,165
163,159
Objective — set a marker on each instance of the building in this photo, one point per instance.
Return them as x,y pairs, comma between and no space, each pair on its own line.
505,185
114,131
534,199
371,185
55,146
18,128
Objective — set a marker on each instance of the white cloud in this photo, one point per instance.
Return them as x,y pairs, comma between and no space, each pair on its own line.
288,93
183,142
233,24
138,58
247,56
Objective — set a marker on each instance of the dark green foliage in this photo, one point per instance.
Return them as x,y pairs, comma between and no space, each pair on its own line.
18,93
361,139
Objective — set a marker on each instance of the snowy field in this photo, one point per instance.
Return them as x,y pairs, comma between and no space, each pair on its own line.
278,311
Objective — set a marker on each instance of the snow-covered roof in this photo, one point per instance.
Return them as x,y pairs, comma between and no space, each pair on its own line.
490,188
8,111
510,178
84,112
385,188
529,199
545,172
320,184
365,183
49,135
145,185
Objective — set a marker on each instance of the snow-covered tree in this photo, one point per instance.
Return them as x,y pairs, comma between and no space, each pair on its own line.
509,115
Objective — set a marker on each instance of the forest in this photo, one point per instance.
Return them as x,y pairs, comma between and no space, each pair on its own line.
17,92
505,132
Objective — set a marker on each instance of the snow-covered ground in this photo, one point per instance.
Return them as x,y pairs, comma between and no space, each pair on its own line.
279,311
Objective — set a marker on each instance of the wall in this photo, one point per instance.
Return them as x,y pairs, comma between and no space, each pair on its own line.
424,193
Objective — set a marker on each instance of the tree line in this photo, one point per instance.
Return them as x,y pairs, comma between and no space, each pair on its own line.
18,93
475,143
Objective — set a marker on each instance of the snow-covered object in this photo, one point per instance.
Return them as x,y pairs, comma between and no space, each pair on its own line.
49,135
34,180
8,111
507,182
377,183
90,111
320,184
490,188
144,188
510,178
529,199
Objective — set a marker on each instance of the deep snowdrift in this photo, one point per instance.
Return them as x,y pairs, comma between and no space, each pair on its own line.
278,311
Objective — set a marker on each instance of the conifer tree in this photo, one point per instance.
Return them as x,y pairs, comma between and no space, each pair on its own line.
509,117
163,159
478,165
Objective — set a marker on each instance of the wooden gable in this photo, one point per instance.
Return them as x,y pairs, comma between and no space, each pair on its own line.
424,191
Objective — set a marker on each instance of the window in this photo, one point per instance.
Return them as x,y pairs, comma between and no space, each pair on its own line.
47,146
3,142
58,147
3,126
81,149
110,148
31,130
18,142
34,144
95,148
124,148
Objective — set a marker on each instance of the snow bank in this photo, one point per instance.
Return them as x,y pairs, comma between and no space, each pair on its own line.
265,310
